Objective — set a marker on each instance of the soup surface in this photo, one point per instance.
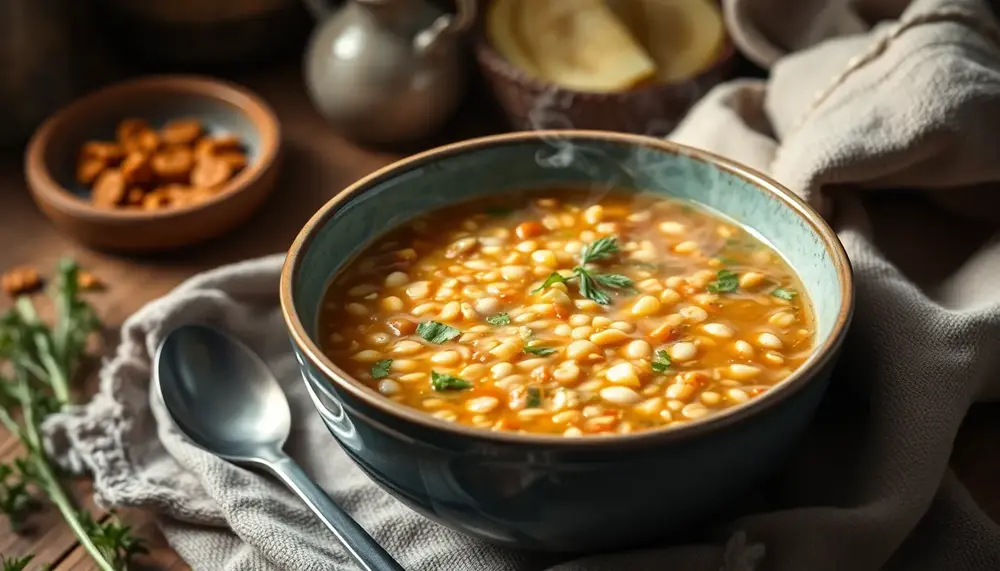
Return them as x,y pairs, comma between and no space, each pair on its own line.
563,312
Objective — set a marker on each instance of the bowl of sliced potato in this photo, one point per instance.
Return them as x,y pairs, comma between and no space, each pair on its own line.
154,163
634,66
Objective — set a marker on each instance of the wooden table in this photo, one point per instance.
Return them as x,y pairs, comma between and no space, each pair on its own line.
318,164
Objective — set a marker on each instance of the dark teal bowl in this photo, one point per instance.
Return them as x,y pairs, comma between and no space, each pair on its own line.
547,492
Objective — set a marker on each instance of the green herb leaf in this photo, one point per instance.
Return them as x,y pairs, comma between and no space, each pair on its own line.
727,281
498,319
616,281
600,249
16,502
646,266
15,563
445,382
589,288
113,539
661,362
554,278
381,368
534,397
726,260
498,211
437,333
540,351
785,294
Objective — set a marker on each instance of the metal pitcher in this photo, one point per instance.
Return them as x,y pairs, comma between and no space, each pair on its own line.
387,71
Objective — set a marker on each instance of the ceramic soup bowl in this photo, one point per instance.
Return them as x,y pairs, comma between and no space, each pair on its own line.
547,492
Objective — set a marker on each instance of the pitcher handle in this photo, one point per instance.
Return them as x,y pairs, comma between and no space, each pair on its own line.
446,26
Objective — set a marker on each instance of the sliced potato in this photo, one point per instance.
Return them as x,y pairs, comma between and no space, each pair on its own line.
682,36
581,44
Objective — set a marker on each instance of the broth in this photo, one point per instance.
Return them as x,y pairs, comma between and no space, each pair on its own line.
556,312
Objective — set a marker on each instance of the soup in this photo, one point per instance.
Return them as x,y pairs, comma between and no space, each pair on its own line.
564,313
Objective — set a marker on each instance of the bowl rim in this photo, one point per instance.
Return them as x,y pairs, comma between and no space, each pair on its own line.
489,56
784,390
43,184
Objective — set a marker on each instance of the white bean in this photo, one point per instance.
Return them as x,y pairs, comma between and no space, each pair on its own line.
396,279
718,330
683,351
620,395
769,341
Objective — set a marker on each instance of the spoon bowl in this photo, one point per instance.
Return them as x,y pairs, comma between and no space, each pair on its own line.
221,394
226,400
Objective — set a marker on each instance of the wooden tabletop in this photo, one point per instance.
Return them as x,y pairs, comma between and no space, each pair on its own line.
318,164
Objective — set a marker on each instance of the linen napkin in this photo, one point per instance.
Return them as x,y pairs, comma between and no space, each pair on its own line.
850,113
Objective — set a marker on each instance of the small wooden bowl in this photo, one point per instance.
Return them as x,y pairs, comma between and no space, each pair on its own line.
220,106
530,103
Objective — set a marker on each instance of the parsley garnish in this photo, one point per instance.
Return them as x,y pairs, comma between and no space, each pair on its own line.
727,281
498,319
534,397
661,362
445,382
437,333
785,294
554,278
540,351
381,368
592,285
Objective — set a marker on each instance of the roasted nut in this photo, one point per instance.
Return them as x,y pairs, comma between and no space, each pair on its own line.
146,169
210,172
156,200
227,143
109,190
181,132
135,195
236,159
145,142
136,169
130,128
89,168
173,163
20,280
88,281
110,152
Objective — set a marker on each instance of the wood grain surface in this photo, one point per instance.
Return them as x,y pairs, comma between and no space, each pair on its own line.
317,164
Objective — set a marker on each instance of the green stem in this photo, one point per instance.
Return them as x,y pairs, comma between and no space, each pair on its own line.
59,497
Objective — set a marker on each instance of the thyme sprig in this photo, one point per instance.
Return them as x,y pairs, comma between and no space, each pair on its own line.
37,363
592,285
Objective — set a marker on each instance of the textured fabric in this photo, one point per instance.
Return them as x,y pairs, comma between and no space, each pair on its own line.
849,115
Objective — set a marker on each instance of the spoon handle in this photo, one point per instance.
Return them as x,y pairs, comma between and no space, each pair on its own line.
365,550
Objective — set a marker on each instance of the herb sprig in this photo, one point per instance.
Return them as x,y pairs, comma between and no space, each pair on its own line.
444,382
15,563
592,285
37,363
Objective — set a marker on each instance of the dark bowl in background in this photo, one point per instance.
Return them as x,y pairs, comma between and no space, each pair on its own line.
539,491
530,103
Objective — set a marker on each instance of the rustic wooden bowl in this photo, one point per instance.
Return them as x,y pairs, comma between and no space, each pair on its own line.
530,103
220,106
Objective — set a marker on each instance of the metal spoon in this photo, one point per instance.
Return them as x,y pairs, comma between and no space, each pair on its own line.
226,400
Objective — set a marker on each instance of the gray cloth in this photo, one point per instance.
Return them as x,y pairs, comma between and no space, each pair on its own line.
847,114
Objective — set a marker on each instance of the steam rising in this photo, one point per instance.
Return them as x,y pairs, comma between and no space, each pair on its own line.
642,166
